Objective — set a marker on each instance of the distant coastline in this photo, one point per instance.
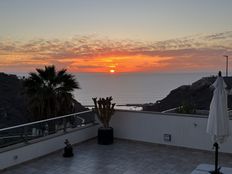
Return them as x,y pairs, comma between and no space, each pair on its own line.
190,99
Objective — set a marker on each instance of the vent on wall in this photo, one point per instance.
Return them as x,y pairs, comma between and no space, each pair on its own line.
167,137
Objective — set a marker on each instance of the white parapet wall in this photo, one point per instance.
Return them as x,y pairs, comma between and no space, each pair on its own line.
43,147
184,130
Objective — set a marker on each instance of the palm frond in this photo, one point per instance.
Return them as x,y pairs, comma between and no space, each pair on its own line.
50,91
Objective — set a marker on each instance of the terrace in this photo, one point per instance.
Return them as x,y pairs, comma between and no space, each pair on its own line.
141,146
124,157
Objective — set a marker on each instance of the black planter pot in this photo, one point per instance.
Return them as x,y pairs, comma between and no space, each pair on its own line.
105,135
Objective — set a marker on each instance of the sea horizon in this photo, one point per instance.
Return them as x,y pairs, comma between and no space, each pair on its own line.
132,88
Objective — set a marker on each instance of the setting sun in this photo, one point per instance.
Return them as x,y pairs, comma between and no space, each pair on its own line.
112,71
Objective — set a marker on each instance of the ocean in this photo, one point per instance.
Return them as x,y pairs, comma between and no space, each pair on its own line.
131,88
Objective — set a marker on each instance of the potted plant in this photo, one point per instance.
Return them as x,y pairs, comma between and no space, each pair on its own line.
104,110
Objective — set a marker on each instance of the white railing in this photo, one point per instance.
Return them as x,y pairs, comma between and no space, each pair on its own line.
33,130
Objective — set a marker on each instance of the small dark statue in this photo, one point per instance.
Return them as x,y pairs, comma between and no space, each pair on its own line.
68,150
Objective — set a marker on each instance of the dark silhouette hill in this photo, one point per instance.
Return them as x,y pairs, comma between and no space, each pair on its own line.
13,108
12,101
198,95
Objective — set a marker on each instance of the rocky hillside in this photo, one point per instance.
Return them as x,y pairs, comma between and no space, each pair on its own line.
13,109
198,96
12,102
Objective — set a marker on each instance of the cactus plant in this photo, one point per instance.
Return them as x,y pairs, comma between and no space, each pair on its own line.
104,110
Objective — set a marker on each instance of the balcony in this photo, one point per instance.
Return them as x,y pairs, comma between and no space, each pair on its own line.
123,157
145,142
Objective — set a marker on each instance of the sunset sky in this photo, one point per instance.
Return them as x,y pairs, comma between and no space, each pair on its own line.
115,35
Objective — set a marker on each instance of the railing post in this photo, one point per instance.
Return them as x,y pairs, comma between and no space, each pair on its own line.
64,125
24,134
46,129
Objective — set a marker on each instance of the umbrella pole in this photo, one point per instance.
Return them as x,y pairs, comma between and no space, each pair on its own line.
216,157
216,170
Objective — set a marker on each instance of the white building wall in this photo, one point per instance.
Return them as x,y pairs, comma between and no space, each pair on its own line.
185,130
44,147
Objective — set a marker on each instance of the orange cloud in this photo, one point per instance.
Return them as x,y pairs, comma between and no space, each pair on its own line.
93,54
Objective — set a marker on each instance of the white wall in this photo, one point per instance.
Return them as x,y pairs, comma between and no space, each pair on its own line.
186,131
44,147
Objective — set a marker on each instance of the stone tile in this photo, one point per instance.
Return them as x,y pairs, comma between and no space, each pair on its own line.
123,157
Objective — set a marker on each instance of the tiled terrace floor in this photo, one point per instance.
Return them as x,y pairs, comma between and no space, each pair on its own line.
123,157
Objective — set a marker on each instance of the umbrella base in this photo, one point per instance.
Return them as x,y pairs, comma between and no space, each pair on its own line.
209,168
216,171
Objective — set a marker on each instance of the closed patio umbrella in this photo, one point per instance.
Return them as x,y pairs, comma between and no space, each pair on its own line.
218,121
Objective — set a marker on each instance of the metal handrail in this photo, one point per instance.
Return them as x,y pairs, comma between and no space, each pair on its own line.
46,120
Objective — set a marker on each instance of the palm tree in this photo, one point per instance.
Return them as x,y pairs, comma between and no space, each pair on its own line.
50,92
